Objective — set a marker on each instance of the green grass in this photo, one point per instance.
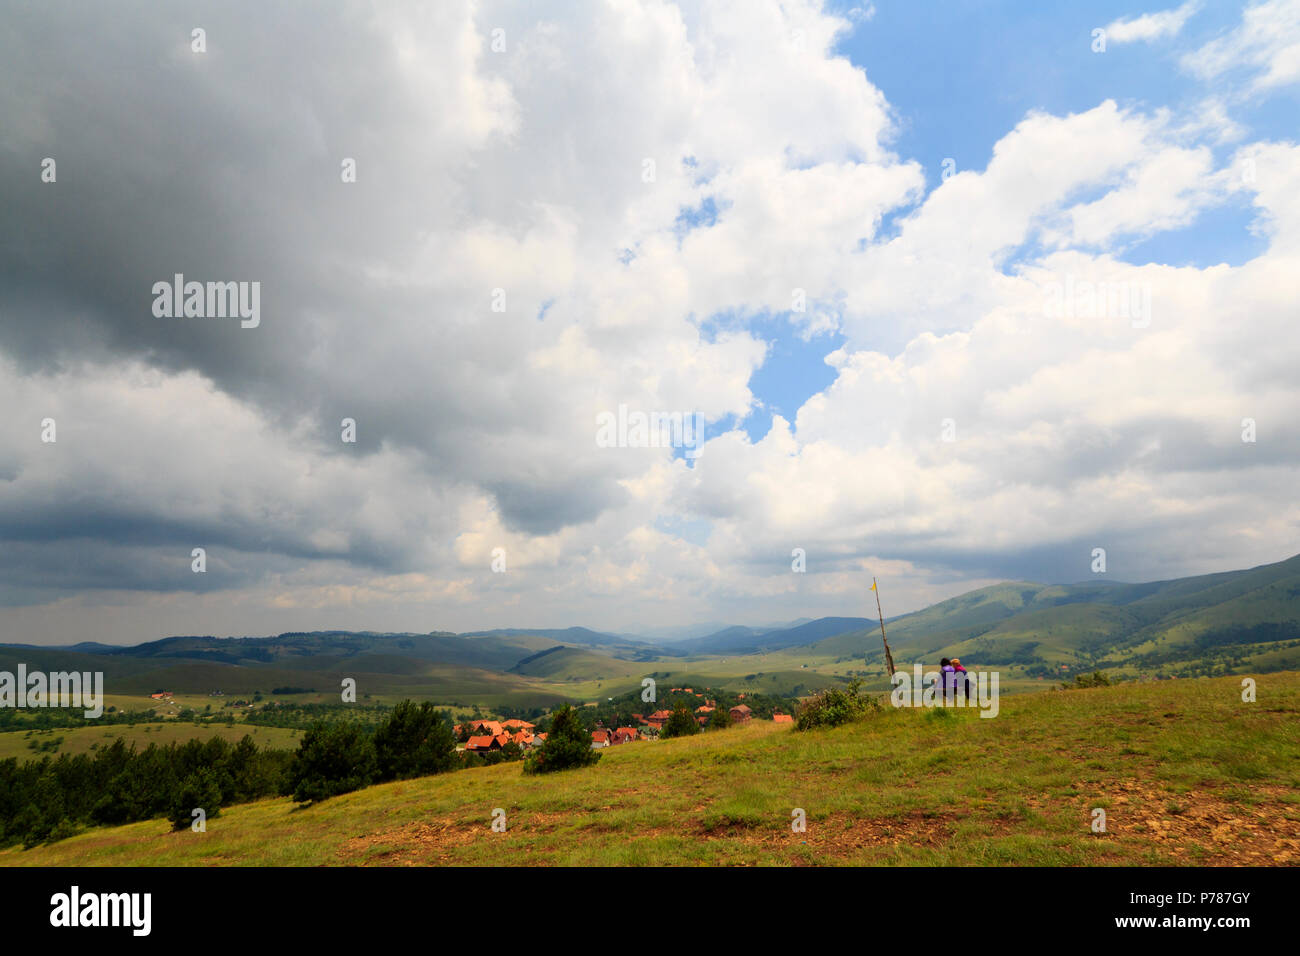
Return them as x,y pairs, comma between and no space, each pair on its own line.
80,740
1186,772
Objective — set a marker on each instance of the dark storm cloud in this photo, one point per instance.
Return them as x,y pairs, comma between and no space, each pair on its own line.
225,166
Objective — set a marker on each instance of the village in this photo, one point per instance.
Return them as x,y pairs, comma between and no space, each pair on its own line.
487,736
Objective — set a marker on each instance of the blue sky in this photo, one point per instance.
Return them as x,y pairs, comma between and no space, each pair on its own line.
960,75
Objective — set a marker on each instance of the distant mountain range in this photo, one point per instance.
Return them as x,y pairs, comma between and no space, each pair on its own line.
670,635
1214,623
749,640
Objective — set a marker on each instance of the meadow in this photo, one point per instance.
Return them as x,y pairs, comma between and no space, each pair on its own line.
1185,771
80,740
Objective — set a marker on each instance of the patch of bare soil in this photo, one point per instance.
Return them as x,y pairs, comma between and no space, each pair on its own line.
1205,827
840,838
413,844
433,842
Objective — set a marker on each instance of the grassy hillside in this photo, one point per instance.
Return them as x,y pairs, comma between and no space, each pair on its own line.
80,740
1186,772
380,677
573,664
1233,622
745,640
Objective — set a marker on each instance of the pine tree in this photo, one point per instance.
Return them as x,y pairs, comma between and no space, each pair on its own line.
413,742
332,759
568,744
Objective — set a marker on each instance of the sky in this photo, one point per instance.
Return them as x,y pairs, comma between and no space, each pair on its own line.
955,293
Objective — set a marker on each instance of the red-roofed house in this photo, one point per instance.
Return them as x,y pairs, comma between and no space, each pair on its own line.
625,735
782,719
741,713
659,718
600,738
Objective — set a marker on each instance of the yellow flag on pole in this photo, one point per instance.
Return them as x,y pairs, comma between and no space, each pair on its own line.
873,585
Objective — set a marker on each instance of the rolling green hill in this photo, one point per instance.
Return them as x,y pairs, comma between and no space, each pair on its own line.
573,663
748,640
1186,772
381,677
80,740
1209,624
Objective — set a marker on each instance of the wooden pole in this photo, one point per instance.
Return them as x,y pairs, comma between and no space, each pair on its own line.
889,658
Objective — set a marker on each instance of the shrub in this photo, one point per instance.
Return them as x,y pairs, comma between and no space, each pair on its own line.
62,830
720,719
834,707
568,745
199,790
1095,679
681,723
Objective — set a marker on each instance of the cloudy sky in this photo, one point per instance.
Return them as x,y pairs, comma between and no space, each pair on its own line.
963,292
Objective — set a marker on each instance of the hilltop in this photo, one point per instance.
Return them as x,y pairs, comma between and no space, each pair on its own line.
1234,622
1186,772
1231,622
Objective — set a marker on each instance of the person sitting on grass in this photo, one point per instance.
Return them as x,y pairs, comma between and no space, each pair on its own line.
963,678
948,679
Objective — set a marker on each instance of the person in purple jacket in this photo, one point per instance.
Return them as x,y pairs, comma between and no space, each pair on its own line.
948,680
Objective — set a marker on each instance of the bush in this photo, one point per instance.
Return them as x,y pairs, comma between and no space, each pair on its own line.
720,719
32,825
568,745
1095,679
834,707
681,723
62,830
199,790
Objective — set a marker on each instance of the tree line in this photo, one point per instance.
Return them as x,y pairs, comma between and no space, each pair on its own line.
53,798
49,718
